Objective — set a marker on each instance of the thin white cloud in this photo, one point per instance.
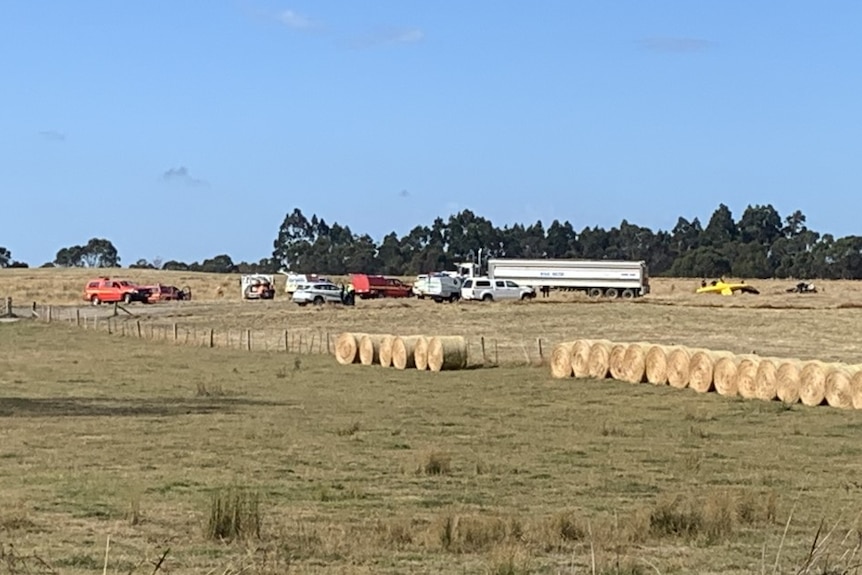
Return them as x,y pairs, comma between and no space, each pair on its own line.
294,20
182,176
388,37
53,135
675,45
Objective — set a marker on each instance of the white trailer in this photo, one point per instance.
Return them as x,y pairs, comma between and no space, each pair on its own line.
608,278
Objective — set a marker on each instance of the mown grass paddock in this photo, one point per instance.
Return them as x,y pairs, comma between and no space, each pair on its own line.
354,469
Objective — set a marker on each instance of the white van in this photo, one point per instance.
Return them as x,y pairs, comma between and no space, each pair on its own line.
487,289
439,287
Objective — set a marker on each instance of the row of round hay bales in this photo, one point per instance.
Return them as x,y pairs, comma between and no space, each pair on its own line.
810,382
437,353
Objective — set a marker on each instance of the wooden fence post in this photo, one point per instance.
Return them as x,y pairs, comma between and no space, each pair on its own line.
496,354
176,333
248,340
212,336
327,343
539,345
138,325
77,317
286,349
8,312
484,357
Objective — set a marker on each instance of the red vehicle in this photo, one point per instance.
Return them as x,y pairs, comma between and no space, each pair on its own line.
369,286
107,290
162,292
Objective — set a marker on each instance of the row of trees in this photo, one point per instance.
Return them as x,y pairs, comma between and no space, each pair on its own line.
760,244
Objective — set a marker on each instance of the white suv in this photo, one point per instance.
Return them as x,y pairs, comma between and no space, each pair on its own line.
486,289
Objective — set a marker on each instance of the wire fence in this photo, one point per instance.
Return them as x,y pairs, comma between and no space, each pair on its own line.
481,349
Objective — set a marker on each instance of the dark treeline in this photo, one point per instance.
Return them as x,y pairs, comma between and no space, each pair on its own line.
760,244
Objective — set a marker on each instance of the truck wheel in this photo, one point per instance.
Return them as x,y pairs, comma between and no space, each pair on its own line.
611,293
595,292
127,298
487,297
95,300
318,300
628,294
453,298
438,300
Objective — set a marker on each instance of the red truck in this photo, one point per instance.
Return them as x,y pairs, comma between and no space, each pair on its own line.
369,286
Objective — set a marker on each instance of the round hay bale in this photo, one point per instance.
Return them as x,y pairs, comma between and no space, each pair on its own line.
812,382
766,379
581,357
561,360
839,387
678,366
724,368
599,360
347,348
635,362
655,364
420,353
616,361
369,349
746,376
856,388
446,353
385,352
701,370
787,381
403,351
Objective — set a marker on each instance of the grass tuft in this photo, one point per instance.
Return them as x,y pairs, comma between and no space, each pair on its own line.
437,463
234,514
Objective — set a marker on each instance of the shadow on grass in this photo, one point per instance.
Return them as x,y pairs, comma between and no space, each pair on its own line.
92,406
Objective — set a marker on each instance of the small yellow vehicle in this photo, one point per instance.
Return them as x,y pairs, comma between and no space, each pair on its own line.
725,288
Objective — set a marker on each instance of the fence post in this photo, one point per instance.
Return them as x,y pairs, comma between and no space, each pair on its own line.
285,342
496,355
8,312
176,333
539,345
211,337
77,317
484,357
138,326
248,340
327,343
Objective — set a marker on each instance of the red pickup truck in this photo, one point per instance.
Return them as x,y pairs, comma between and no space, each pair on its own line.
370,286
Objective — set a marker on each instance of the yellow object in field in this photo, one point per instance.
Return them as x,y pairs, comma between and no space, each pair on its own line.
725,288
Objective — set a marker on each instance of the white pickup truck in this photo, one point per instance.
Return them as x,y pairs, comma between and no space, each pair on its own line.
487,289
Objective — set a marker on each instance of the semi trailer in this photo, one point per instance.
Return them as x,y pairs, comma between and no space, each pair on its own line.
598,278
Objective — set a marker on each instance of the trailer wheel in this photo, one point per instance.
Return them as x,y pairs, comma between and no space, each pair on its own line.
611,293
595,292
628,294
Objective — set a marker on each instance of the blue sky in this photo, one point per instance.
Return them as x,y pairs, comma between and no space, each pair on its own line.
187,129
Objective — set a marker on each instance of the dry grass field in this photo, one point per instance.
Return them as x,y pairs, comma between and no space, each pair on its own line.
351,469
